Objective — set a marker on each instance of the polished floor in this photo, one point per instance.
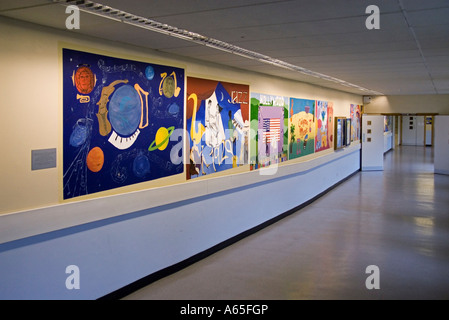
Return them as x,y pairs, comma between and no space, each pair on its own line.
396,219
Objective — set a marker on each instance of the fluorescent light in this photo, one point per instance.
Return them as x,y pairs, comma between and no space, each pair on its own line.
101,15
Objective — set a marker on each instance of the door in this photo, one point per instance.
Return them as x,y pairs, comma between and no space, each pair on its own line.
420,131
408,130
413,130
372,143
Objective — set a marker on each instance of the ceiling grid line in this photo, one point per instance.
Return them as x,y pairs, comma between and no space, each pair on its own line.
418,44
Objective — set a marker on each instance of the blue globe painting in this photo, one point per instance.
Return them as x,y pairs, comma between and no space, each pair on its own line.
125,111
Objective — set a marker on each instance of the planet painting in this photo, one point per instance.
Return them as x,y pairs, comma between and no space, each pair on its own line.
125,110
169,87
173,109
95,159
161,140
149,73
84,80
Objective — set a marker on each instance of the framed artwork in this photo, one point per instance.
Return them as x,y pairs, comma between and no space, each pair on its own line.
388,123
118,119
301,128
356,117
322,139
339,132
218,123
330,124
269,139
348,132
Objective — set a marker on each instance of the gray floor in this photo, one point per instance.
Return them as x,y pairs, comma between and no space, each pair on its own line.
397,220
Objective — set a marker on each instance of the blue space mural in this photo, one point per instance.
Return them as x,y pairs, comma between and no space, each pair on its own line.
118,120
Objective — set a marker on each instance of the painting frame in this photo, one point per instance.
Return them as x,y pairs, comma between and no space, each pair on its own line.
323,130
339,130
348,132
355,115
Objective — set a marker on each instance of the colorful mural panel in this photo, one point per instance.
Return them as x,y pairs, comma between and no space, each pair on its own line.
356,117
118,120
322,139
302,128
269,139
218,125
330,123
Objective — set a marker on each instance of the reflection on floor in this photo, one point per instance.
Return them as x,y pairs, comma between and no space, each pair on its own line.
396,219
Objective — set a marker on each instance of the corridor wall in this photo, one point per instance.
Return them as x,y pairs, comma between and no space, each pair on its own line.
120,236
441,144
410,104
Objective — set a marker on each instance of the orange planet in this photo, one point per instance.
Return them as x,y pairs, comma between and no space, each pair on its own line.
84,80
95,159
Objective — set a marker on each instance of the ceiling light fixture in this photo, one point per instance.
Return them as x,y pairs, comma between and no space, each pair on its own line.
145,23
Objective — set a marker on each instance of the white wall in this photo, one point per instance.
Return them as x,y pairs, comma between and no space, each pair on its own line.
409,104
118,237
388,141
441,155
31,99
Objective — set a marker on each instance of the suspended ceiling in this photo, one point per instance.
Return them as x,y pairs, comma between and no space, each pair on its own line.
408,55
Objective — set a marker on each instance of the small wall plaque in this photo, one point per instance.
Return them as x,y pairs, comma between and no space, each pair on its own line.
43,159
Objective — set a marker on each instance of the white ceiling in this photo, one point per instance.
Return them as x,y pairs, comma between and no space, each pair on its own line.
408,55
